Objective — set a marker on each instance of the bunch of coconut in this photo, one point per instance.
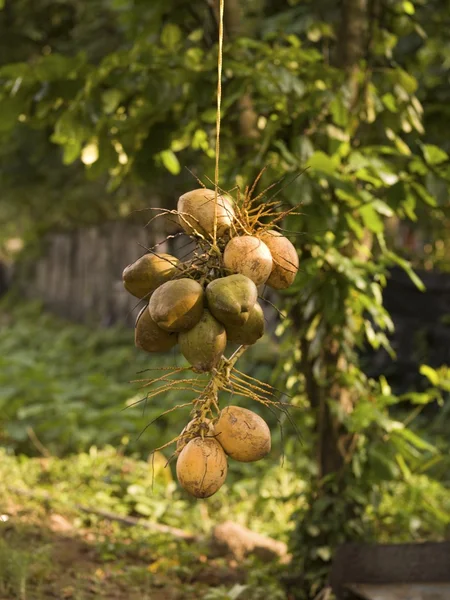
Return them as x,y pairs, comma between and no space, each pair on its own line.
203,311
237,433
201,316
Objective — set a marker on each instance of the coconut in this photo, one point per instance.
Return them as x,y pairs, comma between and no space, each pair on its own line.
285,259
147,273
250,332
177,305
242,434
149,337
202,467
196,212
204,344
230,299
248,256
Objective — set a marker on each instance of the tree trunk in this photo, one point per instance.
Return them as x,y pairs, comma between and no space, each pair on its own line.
353,33
333,441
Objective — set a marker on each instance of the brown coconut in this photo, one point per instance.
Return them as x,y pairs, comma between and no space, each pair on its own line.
177,305
285,259
147,273
251,331
149,337
202,467
248,256
196,212
204,344
230,299
242,434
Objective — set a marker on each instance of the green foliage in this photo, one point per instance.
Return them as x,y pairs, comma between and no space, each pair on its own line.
71,386
137,123
392,485
222,593
19,568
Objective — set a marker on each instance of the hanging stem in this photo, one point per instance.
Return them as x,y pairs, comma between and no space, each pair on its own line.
219,102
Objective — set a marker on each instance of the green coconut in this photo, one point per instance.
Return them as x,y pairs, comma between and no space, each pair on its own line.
250,332
230,299
147,273
197,211
149,337
177,305
204,344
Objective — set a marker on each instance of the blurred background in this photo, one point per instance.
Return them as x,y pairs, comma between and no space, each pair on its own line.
107,112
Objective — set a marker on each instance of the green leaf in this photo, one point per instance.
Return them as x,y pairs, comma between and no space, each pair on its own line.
371,218
14,70
339,112
236,591
423,194
408,205
196,35
357,229
433,154
407,81
193,59
401,262
390,102
415,440
408,7
384,468
302,147
10,109
401,146
324,552
143,509
57,66
419,397
209,115
285,153
320,161
431,374
111,100
406,472
170,161
171,36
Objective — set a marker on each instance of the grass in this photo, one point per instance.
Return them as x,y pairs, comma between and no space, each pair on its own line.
51,548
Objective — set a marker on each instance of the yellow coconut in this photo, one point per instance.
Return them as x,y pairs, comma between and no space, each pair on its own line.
202,467
251,331
230,299
242,434
149,337
248,256
147,273
285,259
177,305
204,344
196,212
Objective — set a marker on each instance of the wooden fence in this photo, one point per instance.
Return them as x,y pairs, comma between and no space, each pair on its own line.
79,274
